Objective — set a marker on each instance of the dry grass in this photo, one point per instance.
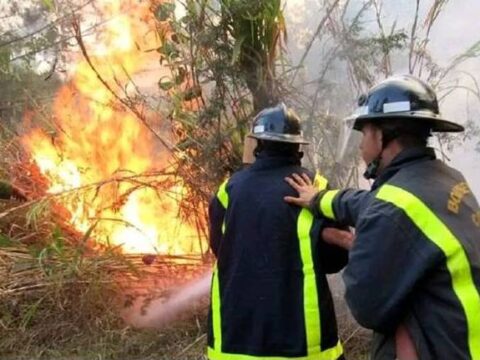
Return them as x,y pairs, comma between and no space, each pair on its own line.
61,295
356,340
61,301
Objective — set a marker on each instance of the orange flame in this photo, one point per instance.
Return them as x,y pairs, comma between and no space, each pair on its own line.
97,143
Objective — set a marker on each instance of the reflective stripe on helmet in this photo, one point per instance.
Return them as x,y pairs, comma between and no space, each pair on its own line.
397,106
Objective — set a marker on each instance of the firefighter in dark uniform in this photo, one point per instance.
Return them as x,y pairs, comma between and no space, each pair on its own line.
416,257
270,297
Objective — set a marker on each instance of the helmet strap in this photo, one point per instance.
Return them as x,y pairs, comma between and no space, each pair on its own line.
374,166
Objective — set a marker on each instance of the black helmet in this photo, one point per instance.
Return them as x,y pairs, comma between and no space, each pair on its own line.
401,97
278,124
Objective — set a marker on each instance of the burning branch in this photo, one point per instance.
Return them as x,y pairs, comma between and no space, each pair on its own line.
126,102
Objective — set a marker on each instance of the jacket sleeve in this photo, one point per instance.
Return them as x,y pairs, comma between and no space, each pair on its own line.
332,258
385,263
342,206
216,214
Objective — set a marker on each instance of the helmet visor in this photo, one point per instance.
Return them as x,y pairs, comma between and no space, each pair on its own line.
348,141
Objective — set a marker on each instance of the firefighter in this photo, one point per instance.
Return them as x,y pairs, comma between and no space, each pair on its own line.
416,256
270,297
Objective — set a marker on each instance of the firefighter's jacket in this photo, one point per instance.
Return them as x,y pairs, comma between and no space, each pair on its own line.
416,257
270,297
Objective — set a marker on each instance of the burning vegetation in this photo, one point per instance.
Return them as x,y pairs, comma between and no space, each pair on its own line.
118,175
115,182
109,216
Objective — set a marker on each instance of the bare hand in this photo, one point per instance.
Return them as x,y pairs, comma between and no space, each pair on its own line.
303,185
341,238
405,346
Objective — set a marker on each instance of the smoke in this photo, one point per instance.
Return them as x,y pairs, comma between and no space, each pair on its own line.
455,31
162,312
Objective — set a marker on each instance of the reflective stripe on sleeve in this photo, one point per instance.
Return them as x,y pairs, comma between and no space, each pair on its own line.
457,262
326,204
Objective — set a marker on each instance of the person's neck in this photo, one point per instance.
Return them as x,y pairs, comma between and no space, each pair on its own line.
389,153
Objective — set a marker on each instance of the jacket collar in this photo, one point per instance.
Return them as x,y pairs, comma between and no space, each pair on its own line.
267,161
406,158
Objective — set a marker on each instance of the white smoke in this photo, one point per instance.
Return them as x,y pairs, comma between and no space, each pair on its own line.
161,312
456,29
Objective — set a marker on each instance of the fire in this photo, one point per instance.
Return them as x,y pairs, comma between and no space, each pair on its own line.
105,153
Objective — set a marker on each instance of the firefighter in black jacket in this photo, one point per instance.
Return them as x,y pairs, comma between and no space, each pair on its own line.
270,297
416,257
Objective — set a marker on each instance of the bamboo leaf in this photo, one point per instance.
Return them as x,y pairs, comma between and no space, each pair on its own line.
237,49
165,11
49,4
165,83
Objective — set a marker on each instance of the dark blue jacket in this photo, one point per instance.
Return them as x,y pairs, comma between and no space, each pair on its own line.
270,296
416,258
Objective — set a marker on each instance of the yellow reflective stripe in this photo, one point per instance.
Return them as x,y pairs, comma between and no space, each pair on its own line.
222,194
216,315
311,306
330,354
326,204
457,261
320,182
310,295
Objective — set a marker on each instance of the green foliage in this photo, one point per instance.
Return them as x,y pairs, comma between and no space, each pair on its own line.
257,28
5,55
222,57
55,301
24,40
5,241
37,212
165,11
388,43
49,4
